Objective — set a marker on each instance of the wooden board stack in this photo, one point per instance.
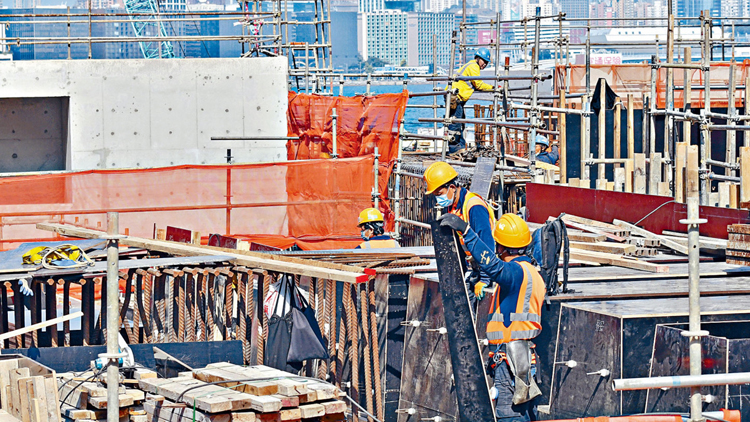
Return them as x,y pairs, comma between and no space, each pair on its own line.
245,394
28,391
738,247
84,397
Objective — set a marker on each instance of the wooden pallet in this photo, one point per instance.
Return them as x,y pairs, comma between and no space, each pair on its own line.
28,391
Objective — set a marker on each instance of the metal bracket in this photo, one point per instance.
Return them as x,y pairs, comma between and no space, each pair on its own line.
699,333
113,356
113,236
691,222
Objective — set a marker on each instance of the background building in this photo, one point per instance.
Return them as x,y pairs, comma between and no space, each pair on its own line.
422,26
383,34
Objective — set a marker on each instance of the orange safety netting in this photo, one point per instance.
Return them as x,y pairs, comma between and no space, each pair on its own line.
312,203
636,79
363,123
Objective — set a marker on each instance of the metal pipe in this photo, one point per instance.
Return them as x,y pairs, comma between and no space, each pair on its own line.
542,77
694,294
683,381
478,121
727,127
727,165
334,124
414,223
434,88
450,94
428,94
376,176
584,112
419,136
397,183
113,317
721,178
705,147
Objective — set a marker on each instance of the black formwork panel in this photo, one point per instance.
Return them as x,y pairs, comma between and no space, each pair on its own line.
736,336
671,356
618,336
426,379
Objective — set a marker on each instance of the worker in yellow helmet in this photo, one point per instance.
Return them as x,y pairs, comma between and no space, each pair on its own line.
372,230
442,183
515,315
465,88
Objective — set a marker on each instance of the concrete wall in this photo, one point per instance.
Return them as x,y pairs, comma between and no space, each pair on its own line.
151,113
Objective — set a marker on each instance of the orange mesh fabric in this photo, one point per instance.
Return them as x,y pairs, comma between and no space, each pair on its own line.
636,79
364,122
312,203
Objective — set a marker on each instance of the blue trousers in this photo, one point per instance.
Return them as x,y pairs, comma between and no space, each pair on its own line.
505,410
458,142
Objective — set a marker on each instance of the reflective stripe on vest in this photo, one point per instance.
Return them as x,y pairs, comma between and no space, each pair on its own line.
472,199
525,322
378,244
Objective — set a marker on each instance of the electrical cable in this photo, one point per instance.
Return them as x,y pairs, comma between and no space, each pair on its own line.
104,367
655,209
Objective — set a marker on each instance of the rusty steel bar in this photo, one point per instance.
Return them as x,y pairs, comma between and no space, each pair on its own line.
50,296
262,341
331,327
66,311
353,330
367,346
374,345
320,287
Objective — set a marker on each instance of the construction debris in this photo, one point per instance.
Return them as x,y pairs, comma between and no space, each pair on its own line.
27,397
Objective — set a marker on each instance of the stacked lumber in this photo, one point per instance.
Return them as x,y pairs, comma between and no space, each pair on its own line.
28,391
738,246
614,244
227,392
84,396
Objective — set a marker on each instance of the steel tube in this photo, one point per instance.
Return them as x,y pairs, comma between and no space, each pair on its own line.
113,317
418,136
551,109
490,78
722,164
477,121
722,178
334,124
429,94
683,381
727,127
414,223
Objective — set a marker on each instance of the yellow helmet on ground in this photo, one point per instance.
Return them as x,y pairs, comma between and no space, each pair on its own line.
370,215
512,232
438,174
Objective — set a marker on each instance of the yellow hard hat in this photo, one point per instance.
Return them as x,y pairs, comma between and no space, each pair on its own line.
438,174
370,215
512,232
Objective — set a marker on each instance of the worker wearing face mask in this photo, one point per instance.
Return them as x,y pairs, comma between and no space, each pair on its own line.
372,231
442,183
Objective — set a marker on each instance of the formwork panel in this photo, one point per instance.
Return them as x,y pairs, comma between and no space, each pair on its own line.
126,114
177,129
426,378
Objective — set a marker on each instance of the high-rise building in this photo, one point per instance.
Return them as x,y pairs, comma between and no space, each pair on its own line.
383,34
693,9
437,6
343,45
422,26
575,8
367,6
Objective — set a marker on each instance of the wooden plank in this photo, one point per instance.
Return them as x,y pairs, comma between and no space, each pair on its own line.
619,179
734,195
574,182
744,176
24,405
101,402
594,230
207,397
629,176
15,395
7,417
40,325
630,128
654,173
663,189
679,180
639,174
312,410
724,194
334,407
616,130
647,234
609,247
5,367
296,266
617,260
290,414
38,399
601,184
53,399
168,411
598,224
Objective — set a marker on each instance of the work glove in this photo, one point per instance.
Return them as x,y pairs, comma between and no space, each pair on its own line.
453,221
479,290
24,287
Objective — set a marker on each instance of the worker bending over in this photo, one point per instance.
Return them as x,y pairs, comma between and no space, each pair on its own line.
372,230
515,313
544,152
465,89
442,182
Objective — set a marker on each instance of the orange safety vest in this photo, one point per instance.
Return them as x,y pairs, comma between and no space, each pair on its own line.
471,200
378,244
526,318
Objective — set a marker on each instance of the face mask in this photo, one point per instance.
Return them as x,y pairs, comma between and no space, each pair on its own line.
363,235
443,200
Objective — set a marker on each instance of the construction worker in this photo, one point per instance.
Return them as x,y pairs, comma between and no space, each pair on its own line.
372,230
442,183
544,152
515,314
465,89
